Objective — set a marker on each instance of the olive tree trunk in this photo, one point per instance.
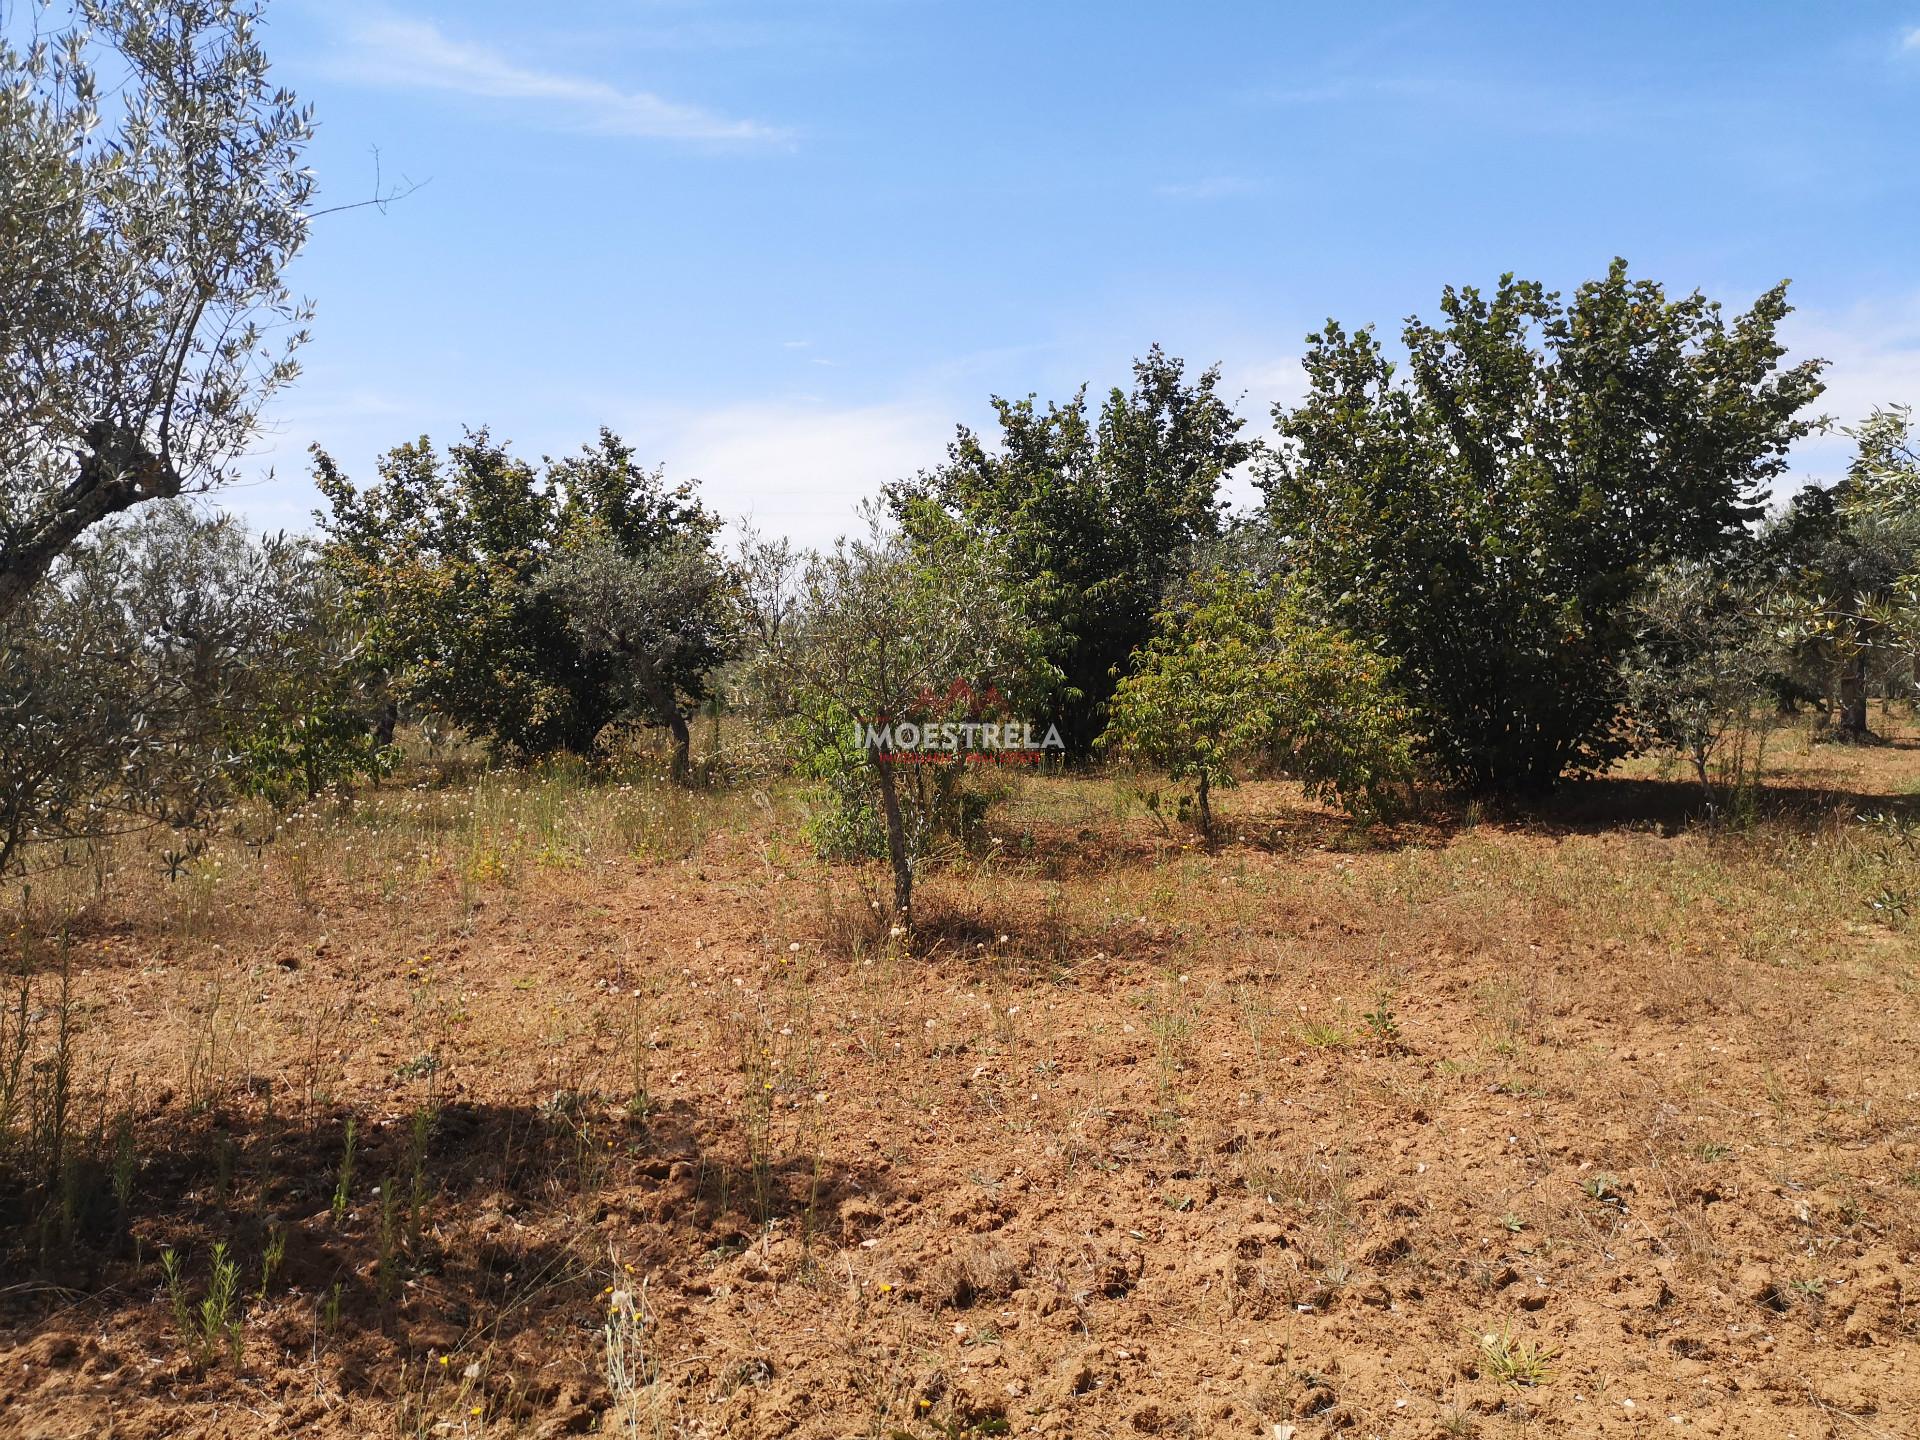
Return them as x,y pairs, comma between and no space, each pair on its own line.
1850,717
898,854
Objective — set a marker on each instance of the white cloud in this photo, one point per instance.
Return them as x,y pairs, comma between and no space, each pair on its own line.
1873,355
1268,381
800,469
416,55
1911,40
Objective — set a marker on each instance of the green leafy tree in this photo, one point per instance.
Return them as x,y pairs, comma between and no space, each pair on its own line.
1341,725
1239,671
1490,517
1195,703
531,608
1847,598
146,221
1096,514
1700,672
314,720
440,558
662,618
885,632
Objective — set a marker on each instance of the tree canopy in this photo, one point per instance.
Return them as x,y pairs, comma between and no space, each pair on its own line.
1239,671
1097,515
1489,516
533,607
145,227
885,631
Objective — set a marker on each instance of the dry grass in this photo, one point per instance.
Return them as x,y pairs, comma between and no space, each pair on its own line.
657,1127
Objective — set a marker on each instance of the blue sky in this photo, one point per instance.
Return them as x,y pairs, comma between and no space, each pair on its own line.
783,248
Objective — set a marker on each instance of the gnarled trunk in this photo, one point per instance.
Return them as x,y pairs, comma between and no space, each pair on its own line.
120,472
1850,703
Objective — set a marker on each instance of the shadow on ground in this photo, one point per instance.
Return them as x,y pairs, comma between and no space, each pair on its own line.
460,1228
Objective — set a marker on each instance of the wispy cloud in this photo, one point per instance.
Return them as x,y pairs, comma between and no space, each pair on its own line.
1873,355
1910,41
801,468
1347,89
1502,103
416,55
1213,187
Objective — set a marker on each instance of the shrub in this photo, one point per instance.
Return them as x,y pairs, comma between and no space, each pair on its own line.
1241,669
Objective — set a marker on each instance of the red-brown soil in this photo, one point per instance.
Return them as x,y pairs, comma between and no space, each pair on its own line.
1140,1139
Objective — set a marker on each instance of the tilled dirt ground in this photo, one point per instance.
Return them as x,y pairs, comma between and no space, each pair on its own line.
1603,1126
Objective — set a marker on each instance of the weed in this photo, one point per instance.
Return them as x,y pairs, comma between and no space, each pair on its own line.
216,1324
343,1183
757,1073
1171,1024
1325,1034
417,1142
177,1294
1603,1190
272,1257
632,1376
1514,1359
639,1052
124,1162
1810,1291
1381,1026
437,1399
387,1262
219,1309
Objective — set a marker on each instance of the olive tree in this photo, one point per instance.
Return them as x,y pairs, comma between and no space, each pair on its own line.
1699,673
662,616
886,629
169,663
151,196
1846,582
768,571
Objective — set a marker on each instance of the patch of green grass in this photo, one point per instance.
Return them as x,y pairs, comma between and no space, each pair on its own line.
1325,1034
1514,1359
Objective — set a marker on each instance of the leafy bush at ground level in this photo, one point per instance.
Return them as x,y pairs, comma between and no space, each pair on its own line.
1239,670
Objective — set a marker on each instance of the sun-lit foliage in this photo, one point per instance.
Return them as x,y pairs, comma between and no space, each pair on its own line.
152,194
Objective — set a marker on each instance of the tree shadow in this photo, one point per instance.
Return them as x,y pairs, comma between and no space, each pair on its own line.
1613,802
451,1230
1066,852
1077,852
